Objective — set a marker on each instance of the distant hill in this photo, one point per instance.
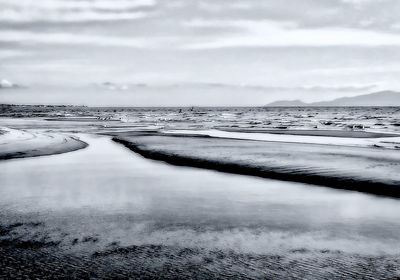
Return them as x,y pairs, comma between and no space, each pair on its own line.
381,98
288,103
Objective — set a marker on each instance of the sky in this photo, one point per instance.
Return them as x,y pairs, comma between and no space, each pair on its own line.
197,52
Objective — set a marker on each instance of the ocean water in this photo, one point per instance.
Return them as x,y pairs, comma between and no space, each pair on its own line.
377,119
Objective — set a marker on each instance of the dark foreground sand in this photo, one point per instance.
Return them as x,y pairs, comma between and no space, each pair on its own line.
44,261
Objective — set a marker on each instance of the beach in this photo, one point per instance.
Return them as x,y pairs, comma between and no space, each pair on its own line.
201,140
105,211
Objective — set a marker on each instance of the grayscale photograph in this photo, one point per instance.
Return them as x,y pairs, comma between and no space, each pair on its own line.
200,139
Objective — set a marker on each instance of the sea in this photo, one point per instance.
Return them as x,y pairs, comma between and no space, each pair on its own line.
375,119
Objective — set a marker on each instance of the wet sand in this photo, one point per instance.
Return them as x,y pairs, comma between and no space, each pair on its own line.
315,132
20,143
361,168
332,137
105,212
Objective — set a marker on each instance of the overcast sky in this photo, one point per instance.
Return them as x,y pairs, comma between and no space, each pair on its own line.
205,52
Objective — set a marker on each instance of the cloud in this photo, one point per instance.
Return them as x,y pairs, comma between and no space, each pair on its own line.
73,11
26,37
10,54
265,88
373,69
275,34
270,43
380,14
74,4
253,22
358,2
13,16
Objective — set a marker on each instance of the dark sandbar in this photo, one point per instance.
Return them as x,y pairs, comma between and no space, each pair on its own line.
367,170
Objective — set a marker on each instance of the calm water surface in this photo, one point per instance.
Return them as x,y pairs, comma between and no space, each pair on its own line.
110,192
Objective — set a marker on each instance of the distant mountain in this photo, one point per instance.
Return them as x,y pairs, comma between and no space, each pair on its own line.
381,98
288,103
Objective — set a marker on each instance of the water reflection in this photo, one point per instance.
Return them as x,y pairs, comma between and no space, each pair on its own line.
115,194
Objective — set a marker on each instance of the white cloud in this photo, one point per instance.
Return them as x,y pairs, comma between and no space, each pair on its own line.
61,10
7,53
342,71
73,39
82,4
269,33
12,16
360,1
